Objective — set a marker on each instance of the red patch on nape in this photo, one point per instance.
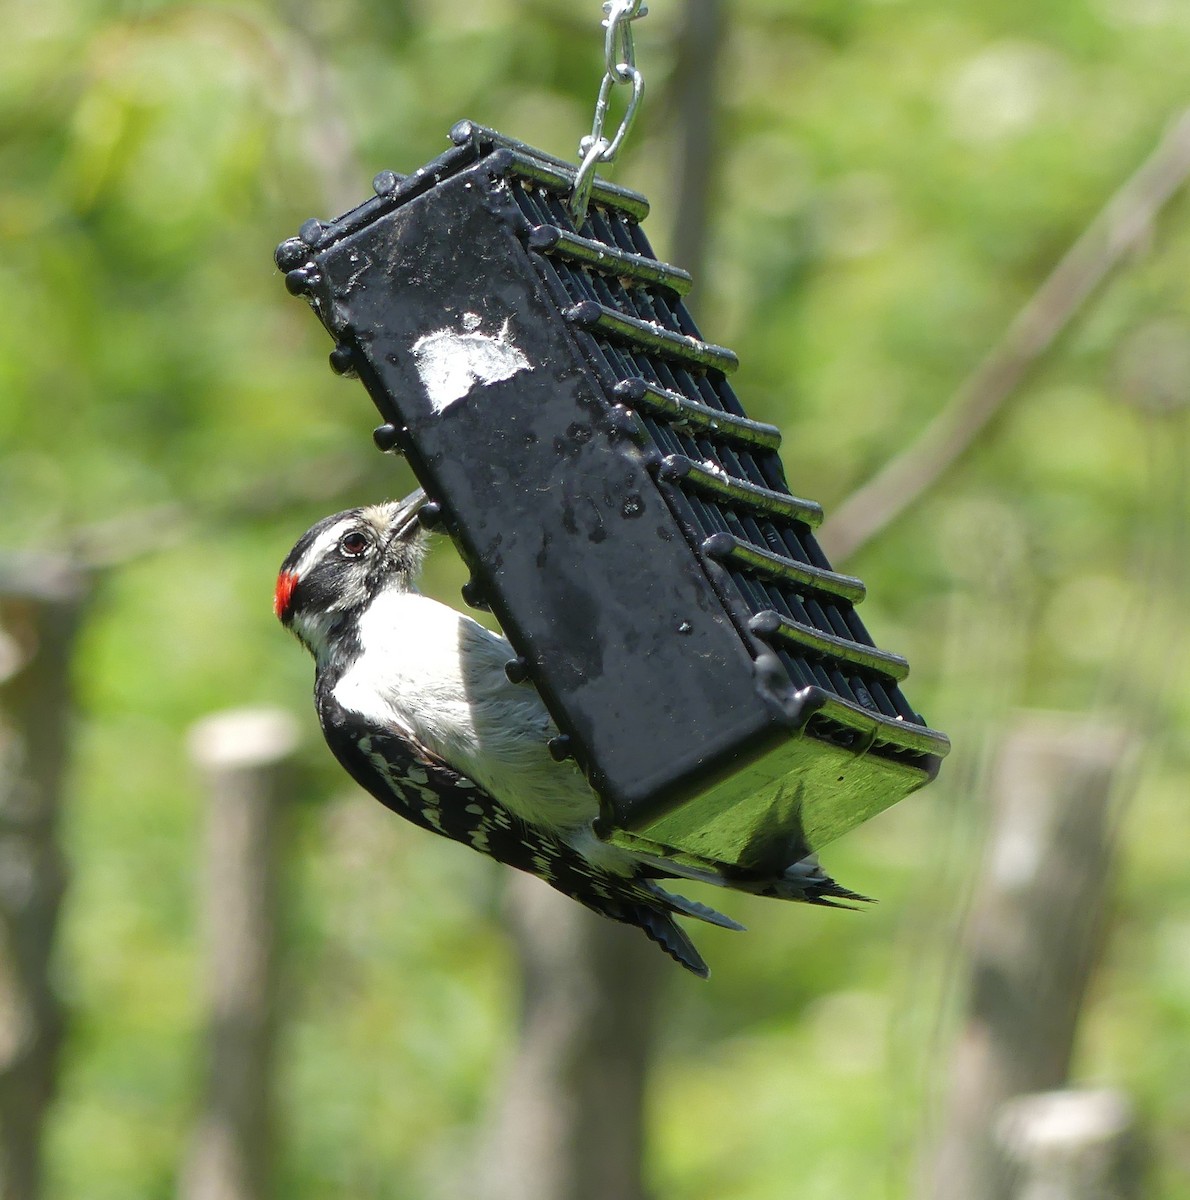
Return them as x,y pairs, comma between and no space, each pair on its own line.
286,582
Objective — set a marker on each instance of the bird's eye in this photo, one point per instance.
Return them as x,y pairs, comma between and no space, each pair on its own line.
353,545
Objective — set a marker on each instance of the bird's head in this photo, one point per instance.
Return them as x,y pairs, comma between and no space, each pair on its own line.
341,564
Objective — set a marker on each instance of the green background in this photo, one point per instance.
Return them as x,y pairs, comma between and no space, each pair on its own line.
896,178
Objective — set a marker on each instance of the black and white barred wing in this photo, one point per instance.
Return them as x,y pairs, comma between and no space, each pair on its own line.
418,786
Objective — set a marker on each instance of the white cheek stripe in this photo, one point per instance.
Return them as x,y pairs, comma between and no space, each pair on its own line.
322,545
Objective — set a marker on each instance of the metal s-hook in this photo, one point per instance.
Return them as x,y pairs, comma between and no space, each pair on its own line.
619,55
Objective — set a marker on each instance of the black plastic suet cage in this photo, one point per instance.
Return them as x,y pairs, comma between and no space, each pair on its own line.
624,519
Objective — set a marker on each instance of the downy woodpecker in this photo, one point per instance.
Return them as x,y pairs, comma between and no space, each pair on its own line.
414,702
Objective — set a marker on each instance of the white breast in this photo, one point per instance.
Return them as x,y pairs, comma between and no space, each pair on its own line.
438,676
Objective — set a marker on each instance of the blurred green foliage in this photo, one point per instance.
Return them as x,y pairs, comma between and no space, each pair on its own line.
897,176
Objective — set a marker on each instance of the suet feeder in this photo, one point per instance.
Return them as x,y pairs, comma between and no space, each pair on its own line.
627,523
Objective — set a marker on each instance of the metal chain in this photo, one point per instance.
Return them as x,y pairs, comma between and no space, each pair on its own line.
619,68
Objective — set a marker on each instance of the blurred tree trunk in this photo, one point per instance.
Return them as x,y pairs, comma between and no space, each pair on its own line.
41,603
695,97
1033,936
242,755
1071,1145
567,1123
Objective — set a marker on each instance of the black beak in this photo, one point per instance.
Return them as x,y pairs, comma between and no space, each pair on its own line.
406,515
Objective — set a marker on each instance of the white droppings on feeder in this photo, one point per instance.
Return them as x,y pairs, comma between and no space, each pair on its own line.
453,362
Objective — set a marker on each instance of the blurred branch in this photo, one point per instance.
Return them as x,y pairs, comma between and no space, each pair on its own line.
242,755
1033,936
41,602
1119,229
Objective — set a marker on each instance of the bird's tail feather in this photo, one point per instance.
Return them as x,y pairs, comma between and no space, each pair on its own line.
803,880
661,928
692,908
642,903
